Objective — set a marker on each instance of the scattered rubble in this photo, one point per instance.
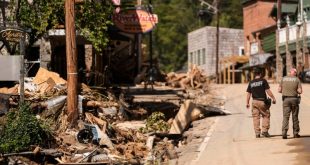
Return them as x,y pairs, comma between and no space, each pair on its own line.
132,125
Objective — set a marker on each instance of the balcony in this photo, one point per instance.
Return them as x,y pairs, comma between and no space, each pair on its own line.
293,34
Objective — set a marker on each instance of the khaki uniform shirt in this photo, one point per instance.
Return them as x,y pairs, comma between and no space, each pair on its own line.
290,84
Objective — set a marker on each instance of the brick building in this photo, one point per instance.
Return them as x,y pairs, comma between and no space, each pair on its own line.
260,32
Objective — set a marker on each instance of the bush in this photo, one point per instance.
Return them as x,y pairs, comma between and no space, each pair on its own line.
155,123
22,130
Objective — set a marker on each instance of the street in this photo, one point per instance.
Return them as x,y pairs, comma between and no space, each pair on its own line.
233,142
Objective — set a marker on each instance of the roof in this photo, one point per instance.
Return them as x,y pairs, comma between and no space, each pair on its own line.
235,59
286,8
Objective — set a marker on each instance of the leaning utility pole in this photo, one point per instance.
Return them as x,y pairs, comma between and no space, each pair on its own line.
278,55
71,54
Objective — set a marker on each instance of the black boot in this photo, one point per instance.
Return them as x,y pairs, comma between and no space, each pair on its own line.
265,134
284,134
296,135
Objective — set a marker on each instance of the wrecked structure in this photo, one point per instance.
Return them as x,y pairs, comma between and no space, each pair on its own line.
118,125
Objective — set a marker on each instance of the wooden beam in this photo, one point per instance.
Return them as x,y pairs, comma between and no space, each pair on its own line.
224,75
229,76
233,74
71,54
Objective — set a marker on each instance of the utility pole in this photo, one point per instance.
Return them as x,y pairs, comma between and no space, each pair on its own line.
279,64
71,53
217,44
215,10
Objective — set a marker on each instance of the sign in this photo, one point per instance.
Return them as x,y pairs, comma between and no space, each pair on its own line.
11,38
254,48
116,2
259,59
10,68
135,21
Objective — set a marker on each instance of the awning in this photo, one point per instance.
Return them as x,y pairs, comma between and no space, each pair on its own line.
259,59
288,8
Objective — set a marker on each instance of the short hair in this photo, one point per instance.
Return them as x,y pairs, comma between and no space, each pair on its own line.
257,71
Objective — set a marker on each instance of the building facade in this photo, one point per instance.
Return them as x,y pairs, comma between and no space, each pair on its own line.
202,47
260,27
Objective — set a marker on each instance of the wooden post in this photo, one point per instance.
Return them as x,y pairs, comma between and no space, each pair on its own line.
278,55
22,69
224,75
305,46
220,76
298,52
289,61
242,77
233,74
228,73
71,55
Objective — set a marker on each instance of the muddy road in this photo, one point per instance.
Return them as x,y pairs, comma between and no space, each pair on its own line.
232,140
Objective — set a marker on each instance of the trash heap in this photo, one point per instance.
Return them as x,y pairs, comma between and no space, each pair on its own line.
115,126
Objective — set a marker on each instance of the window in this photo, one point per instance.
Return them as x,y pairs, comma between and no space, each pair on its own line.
198,57
203,56
241,51
190,58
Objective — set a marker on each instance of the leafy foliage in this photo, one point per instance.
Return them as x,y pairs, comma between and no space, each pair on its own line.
179,17
22,130
93,21
92,18
156,123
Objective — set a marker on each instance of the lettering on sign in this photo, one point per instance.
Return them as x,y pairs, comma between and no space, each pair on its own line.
11,38
135,21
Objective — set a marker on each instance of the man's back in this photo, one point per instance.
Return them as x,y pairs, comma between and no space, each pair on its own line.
290,85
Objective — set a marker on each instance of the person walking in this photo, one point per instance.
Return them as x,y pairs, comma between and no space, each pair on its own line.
258,88
290,87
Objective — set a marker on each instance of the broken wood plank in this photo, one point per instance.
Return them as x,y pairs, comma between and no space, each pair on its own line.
188,112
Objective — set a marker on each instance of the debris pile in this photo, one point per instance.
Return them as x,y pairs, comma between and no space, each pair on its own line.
131,125
194,79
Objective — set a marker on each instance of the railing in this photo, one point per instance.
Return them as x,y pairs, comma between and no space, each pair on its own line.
293,33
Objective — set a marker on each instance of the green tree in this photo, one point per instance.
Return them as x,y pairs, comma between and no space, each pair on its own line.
179,17
92,18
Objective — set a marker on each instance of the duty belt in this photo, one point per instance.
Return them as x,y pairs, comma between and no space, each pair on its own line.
290,96
259,99
284,97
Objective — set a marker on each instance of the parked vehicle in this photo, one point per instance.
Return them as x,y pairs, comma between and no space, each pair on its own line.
305,76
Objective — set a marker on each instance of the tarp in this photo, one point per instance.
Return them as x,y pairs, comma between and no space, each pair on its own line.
259,59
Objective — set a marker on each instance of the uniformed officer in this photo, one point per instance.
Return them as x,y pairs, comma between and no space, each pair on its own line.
290,87
258,88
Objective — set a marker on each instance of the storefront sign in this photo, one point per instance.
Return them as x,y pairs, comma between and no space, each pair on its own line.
259,59
11,38
135,21
254,48
116,2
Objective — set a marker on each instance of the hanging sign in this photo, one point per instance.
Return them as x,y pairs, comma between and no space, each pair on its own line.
135,21
11,38
116,2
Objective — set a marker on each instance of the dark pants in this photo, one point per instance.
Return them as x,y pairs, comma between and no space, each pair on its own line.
290,105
